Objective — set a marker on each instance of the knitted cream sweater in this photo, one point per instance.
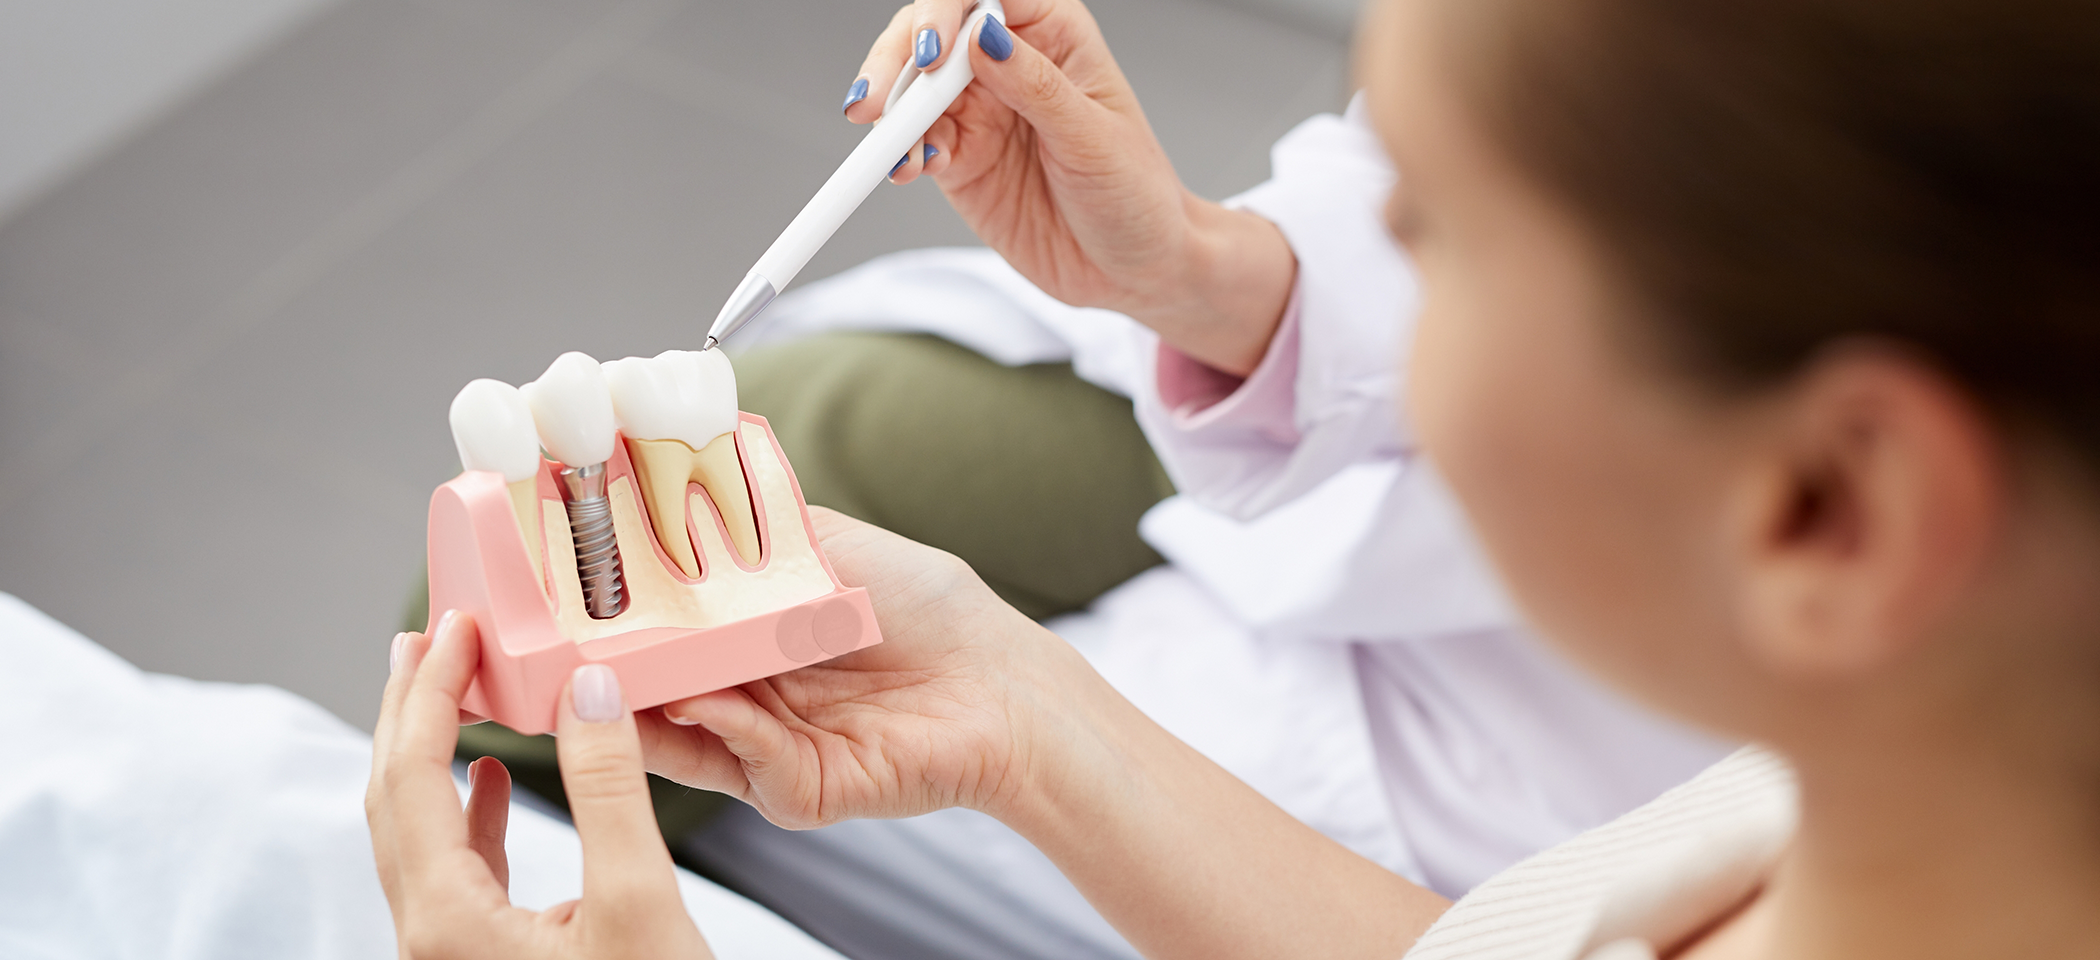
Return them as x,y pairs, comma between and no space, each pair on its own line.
1644,881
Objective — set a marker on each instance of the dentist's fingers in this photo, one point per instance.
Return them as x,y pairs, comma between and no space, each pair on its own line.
939,146
390,698
1035,87
626,867
768,758
378,808
677,750
911,164
488,815
878,73
934,24
416,797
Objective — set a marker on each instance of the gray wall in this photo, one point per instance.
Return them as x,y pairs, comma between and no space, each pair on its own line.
77,75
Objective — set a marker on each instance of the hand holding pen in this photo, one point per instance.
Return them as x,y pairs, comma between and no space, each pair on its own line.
1047,155
916,99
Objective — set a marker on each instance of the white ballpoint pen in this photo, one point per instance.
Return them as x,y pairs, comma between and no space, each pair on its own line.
915,102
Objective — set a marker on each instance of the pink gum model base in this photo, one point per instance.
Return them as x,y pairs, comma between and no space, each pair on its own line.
478,565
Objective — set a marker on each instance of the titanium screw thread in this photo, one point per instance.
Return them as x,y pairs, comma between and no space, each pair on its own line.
597,549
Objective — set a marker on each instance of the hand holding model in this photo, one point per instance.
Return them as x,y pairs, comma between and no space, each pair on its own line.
444,870
943,720
968,703
1049,158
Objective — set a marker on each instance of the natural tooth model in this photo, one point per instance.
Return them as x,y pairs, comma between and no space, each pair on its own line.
492,426
573,412
678,413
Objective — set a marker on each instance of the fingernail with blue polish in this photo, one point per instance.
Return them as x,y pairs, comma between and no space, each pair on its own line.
901,161
928,48
855,93
996,42
932,152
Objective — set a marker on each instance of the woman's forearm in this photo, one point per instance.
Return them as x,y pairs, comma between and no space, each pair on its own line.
1225,307
1183,858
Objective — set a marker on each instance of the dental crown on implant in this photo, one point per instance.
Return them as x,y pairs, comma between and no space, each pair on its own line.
573,409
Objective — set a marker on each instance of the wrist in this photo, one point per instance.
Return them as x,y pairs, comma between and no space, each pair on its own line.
1234,282
1065,734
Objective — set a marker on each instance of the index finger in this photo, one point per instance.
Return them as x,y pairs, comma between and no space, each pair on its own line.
934,26
414,805
878,73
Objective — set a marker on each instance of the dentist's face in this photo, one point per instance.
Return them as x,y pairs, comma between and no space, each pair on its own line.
1595,484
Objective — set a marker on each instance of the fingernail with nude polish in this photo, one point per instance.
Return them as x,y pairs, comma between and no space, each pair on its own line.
393,656
995,41
445,624
855,94
928,47
932,152
594,690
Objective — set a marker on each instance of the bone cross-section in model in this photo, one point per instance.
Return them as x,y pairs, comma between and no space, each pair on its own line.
793,572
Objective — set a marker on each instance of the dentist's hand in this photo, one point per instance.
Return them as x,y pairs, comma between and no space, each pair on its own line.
944,712
967,703
1050,160
444,871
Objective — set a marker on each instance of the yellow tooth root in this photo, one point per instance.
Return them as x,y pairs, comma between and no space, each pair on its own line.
665,467
722,474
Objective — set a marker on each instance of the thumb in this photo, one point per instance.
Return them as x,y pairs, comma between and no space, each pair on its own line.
1032,85
625,863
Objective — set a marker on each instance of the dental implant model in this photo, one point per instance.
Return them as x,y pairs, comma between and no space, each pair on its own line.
574,413
666,537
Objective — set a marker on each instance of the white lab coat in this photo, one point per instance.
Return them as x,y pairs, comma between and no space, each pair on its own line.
1325,627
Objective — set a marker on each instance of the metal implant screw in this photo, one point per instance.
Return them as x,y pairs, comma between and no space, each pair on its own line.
597,550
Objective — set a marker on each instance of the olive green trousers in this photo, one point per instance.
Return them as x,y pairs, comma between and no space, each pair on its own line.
1033,476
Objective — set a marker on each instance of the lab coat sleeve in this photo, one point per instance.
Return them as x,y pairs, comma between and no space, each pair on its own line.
1325,396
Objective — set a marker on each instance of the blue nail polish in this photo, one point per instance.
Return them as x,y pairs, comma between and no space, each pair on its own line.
928,48
901,161
932,152
996,42
855,94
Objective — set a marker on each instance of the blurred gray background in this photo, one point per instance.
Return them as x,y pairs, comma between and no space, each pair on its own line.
249,249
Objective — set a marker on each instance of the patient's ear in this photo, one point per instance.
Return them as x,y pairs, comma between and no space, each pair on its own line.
1865,513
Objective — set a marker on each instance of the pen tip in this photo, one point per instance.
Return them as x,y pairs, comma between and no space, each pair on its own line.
710,344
